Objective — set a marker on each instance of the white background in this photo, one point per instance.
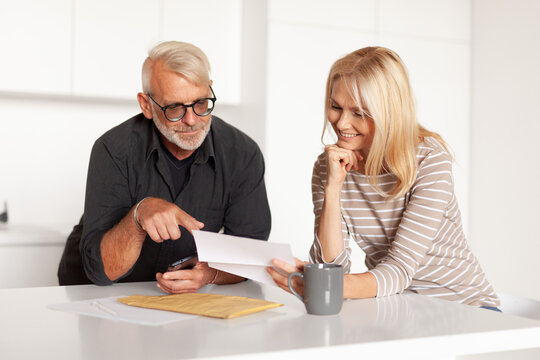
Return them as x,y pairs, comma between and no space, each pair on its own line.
472,63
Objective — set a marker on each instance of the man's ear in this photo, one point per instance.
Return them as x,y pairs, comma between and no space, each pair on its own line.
144,103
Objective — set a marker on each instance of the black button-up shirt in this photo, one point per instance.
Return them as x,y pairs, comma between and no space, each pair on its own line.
225,190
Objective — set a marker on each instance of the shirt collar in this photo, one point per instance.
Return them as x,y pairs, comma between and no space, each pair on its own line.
206,150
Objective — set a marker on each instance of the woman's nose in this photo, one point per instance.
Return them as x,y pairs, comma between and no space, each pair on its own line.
344,120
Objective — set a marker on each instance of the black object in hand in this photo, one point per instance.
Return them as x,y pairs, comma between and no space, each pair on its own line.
185,263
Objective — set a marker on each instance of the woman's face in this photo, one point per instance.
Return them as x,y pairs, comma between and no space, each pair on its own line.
353,131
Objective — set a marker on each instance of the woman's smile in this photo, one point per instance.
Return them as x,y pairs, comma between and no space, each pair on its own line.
347,134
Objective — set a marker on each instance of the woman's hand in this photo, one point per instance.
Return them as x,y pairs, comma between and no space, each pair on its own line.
281,276
339,162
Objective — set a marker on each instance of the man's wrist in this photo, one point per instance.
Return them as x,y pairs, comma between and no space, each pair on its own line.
213,281
135,215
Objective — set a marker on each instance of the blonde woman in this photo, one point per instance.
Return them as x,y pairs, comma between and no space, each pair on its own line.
387,185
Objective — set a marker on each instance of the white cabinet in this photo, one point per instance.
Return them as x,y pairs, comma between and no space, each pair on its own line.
216,27
29,266
29,255
96,48
35,36
111,40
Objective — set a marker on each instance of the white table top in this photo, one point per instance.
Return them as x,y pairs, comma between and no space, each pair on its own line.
397,326
30,235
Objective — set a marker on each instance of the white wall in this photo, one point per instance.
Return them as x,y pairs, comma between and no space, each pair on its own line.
288,47
505,146
306,37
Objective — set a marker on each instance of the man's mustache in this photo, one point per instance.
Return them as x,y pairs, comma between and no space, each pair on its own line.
195,127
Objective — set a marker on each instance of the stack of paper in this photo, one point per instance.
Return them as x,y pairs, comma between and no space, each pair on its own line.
241,256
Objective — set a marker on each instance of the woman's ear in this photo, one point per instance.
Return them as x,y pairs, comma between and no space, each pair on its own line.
146,106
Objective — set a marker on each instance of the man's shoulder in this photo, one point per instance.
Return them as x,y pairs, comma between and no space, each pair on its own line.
229,137
121,137
137,124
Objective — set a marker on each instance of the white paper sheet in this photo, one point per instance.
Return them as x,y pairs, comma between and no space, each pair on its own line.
241,256
110,308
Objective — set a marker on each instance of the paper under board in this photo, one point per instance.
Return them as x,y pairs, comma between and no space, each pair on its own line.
122,312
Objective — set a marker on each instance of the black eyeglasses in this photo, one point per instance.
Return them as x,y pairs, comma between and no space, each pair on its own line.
175,112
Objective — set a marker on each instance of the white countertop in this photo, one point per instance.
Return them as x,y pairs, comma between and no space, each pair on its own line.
29,235
404,326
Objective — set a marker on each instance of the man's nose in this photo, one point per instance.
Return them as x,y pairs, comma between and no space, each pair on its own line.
190,118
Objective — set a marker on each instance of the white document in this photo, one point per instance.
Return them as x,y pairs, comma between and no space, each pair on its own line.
241,256
111,308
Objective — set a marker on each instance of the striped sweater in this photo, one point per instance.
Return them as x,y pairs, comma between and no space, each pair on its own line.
415,242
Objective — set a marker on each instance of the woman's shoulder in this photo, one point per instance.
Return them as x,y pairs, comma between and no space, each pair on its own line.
320,162
432,148
433,158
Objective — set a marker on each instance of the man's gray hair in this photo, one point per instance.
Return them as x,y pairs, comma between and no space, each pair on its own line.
180,57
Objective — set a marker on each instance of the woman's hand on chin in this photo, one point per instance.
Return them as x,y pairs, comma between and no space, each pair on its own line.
339,162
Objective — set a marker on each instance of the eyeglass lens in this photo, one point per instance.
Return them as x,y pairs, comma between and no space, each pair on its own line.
202,107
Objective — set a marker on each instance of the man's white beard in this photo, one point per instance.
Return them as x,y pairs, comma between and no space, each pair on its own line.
184,142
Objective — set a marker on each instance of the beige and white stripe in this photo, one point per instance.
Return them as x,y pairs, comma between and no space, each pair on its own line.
415,242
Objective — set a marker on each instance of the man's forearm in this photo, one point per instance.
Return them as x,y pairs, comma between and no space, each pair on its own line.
223,278
121,247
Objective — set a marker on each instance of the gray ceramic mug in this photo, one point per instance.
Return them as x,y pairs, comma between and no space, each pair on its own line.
323,288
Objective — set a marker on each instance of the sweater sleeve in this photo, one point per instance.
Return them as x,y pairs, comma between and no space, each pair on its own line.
429,198
318,181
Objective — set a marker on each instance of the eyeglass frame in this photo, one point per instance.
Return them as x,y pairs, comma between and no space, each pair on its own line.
186,106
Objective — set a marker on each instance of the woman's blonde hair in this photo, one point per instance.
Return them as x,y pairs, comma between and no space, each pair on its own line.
180,57
377,79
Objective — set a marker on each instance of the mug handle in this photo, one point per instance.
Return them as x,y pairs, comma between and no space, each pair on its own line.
289,281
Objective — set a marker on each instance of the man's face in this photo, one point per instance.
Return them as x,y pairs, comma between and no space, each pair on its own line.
168,88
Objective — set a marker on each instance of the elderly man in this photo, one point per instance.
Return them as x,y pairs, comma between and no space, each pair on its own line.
161,174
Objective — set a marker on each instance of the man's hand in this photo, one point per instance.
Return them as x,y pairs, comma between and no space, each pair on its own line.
186,281
160,219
